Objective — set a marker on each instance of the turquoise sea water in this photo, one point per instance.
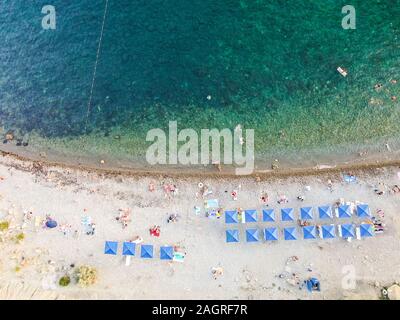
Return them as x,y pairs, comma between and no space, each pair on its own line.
269,65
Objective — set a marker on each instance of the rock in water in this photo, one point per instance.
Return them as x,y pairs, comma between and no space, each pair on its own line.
9,136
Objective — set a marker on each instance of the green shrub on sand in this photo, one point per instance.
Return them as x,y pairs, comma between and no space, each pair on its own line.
4,225
64,281
19,237
86,275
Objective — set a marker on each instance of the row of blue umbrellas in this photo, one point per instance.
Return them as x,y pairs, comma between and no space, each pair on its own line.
146,250
309,232
306,213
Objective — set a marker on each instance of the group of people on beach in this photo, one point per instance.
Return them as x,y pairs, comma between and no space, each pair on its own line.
124,217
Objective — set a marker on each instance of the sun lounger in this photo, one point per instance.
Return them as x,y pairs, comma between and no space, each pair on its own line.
138,240
320,232
353,207
128,261
358,233
38,221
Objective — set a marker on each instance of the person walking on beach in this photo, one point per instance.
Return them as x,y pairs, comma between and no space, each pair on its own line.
92,227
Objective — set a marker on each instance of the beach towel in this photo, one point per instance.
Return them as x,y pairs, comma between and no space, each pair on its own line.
197,210
86,220
179,257
212,213
212,203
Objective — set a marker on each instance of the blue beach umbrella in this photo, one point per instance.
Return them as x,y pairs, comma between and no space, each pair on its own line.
166,253
325,212
313,284
128,249
231,217
232,235
366,230
290,233
271,234
287,214
51,223
328,231
363,210
250,215
344,211
310,232
306,213
268,215
111,247
347,230
146,251
252,235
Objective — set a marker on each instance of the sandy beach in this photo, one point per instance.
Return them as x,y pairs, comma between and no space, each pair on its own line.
262,270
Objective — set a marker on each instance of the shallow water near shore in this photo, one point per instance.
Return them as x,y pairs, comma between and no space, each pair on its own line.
268,65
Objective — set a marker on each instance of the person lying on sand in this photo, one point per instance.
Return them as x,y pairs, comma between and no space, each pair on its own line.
27,217
264,198
65,228
396,189
282,199
91,229
380,189
301,198
173,218
234,195
136,239
240,214
216,272
124,217
303,223
170,190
